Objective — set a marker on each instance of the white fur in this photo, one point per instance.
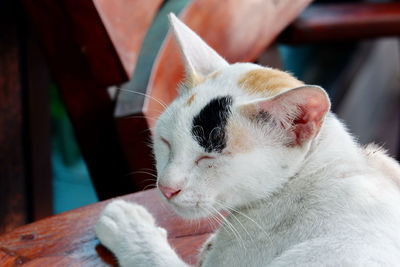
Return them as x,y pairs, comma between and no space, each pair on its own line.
128,230
327,202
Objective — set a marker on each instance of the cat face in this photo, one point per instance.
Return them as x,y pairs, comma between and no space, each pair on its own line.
235,134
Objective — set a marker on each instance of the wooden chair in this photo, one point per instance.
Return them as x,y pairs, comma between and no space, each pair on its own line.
84,60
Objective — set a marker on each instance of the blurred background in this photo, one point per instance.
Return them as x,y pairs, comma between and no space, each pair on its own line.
75,122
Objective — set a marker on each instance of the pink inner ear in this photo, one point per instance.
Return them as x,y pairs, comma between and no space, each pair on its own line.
308,122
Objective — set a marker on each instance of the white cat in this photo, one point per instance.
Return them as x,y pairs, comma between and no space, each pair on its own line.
260,143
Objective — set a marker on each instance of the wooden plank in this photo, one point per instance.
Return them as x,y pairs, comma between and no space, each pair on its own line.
13,198
38,139
25,125
85,59
127,23
69,238
338,22
88,32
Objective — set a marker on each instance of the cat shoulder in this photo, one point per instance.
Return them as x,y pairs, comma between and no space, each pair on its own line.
379,159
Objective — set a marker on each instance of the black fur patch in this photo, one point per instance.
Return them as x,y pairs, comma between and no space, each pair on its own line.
208,127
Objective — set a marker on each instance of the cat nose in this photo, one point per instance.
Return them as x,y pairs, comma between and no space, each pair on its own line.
169,192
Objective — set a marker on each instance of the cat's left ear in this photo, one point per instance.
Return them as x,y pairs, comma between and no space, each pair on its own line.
200,59
299,111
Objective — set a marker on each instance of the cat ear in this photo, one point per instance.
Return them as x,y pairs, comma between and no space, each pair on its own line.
300,112
200,59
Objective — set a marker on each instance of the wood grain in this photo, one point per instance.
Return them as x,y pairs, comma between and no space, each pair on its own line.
68,239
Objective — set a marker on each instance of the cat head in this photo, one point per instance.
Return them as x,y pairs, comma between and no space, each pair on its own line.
235,134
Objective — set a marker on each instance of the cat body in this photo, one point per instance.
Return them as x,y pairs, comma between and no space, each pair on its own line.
263,145
334,215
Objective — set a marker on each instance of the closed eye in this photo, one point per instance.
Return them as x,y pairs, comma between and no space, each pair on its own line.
203,158
165,141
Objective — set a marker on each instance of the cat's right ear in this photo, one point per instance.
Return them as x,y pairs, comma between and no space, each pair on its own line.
299,112
199,58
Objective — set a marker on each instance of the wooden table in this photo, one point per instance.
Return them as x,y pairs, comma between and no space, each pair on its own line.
68,239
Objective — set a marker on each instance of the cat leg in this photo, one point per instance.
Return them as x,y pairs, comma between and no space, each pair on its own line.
130,232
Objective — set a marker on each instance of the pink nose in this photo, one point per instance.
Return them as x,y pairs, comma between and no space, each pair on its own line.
168,192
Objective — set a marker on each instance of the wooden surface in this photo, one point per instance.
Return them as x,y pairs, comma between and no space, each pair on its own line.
68,239
25,171
91,45
336,22
38,131
127,23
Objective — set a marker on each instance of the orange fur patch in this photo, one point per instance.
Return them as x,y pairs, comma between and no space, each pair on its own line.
214,75
190,100
268,81
193,81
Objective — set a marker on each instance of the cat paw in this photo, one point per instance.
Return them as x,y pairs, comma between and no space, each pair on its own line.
122,223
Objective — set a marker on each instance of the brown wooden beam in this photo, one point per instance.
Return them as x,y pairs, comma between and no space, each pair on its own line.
340,22
13,198
38,132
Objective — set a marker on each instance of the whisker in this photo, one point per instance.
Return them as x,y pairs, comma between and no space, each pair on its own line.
209,218
144,172
234,230
147,170
149,185
247,217
146,95
233,215
150,179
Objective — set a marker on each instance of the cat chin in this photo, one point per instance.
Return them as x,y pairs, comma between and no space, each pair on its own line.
191,212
